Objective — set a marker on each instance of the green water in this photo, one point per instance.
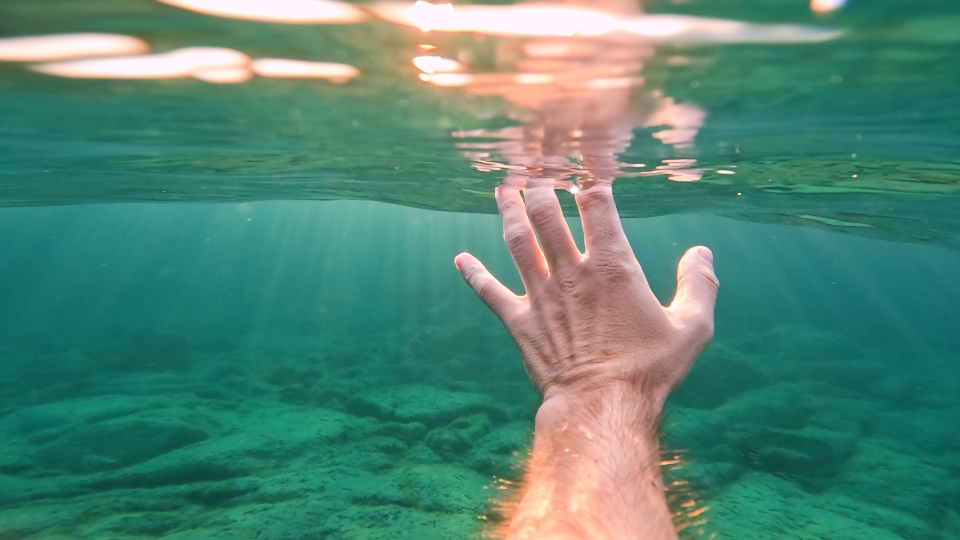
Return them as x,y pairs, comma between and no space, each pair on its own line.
230,311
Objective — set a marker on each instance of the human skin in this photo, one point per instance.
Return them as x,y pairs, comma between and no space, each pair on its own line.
603,353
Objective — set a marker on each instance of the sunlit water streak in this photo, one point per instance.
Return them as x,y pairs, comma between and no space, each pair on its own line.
826,6
298,69
215,65
276,11
175,64
558,21
66,46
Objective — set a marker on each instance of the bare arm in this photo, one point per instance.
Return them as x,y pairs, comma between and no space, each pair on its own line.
604,354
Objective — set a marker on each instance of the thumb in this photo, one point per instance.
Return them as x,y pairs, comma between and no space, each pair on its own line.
697,286
501,301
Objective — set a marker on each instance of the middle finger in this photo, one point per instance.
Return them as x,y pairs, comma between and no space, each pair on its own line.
556,242
519,237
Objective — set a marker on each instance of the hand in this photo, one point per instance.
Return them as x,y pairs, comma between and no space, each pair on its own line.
604,355
589,321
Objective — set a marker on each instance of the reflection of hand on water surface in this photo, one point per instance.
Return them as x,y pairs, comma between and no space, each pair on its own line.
568,73
577,102
603,353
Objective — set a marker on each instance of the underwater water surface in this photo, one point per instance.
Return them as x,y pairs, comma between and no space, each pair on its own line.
230,308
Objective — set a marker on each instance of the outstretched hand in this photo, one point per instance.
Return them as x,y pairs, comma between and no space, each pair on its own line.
604,354
589,320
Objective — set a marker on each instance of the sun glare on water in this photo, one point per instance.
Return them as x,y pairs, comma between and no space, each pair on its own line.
276,11
66,46
209,64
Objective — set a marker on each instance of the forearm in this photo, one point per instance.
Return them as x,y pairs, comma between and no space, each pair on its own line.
595,471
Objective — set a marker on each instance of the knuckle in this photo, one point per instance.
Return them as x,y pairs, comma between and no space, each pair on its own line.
702,279
470,275
509,205
701,326
710,278
567,283
611,267
484,289
515,237
592,198
540,212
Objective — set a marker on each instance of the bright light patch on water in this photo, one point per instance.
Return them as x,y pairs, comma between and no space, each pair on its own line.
68,46
224,75
545,20
434,64
677,170
525,79
676,136
276,11
299,69
450,80
499,20
610,83
210,64
202,62
826,6
427,16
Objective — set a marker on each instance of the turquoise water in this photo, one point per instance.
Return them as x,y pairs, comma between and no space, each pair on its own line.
231,311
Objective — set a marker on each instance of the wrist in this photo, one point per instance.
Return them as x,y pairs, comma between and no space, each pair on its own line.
595,469
593,424
619,401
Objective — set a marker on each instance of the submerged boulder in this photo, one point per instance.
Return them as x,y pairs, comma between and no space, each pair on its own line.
811,457
458,438
117,443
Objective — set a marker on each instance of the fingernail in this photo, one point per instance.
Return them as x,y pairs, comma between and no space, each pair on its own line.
496,191
705,254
